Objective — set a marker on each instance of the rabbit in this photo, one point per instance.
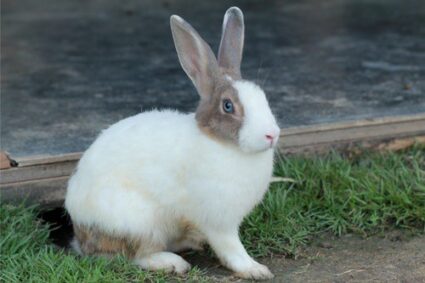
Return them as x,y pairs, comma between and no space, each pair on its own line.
163,181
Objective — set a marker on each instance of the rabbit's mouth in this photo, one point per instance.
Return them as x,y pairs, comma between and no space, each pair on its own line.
252,146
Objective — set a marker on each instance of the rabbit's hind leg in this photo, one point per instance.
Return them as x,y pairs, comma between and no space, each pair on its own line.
186,244
92,241
191,239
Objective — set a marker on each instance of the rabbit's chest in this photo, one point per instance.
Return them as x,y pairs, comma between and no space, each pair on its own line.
230,186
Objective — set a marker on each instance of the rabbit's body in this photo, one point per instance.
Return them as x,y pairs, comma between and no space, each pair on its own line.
162,181
158,167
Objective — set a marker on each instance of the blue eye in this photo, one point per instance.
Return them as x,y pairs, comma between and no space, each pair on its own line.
228,106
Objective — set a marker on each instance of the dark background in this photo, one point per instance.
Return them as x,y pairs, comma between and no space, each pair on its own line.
71,68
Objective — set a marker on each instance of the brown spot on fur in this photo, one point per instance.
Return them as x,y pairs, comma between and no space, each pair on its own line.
95,242
211,118
190,238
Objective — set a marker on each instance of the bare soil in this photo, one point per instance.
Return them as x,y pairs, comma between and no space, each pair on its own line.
393,257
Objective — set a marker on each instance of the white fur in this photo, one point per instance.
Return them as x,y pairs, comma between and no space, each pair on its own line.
165,261
258,120
153,175
225,21
75,245
147,173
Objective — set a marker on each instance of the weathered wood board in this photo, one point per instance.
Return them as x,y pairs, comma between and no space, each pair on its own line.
43,180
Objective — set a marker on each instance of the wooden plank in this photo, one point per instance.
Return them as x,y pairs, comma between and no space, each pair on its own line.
293,140
359,131
47,192
47,159
355,124
43,179
392,144
50,192
42,171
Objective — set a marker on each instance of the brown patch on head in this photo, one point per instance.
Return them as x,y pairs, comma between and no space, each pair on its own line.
95,242
213,120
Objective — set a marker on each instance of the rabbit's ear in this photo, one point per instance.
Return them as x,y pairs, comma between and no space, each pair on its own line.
196,57
231,45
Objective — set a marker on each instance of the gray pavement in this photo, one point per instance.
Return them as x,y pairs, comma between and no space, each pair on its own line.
71,68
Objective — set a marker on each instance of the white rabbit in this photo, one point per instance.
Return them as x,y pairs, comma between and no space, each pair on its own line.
163,181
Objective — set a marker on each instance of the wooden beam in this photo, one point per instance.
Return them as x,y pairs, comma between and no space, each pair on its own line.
43,179
49,192
37,172
319,137
47,159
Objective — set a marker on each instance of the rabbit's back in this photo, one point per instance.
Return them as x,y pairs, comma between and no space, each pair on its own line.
125,173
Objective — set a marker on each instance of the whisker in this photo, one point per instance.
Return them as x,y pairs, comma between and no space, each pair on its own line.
258,71
263,84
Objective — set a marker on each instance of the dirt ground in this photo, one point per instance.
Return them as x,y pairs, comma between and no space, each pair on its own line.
393,257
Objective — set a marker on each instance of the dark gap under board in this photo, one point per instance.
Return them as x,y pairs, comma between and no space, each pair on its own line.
59,222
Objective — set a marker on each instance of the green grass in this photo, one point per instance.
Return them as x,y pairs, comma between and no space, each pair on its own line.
26,256
366,194
332,194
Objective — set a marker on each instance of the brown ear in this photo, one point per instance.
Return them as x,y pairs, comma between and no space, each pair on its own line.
231,45
195,56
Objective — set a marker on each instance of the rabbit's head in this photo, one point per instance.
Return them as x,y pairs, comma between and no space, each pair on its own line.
231,109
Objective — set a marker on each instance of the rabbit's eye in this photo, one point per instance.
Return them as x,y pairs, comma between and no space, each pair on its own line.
228,106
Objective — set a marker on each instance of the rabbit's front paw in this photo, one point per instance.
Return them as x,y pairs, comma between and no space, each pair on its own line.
256,271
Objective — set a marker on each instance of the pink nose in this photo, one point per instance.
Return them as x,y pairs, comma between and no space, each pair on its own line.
270,137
